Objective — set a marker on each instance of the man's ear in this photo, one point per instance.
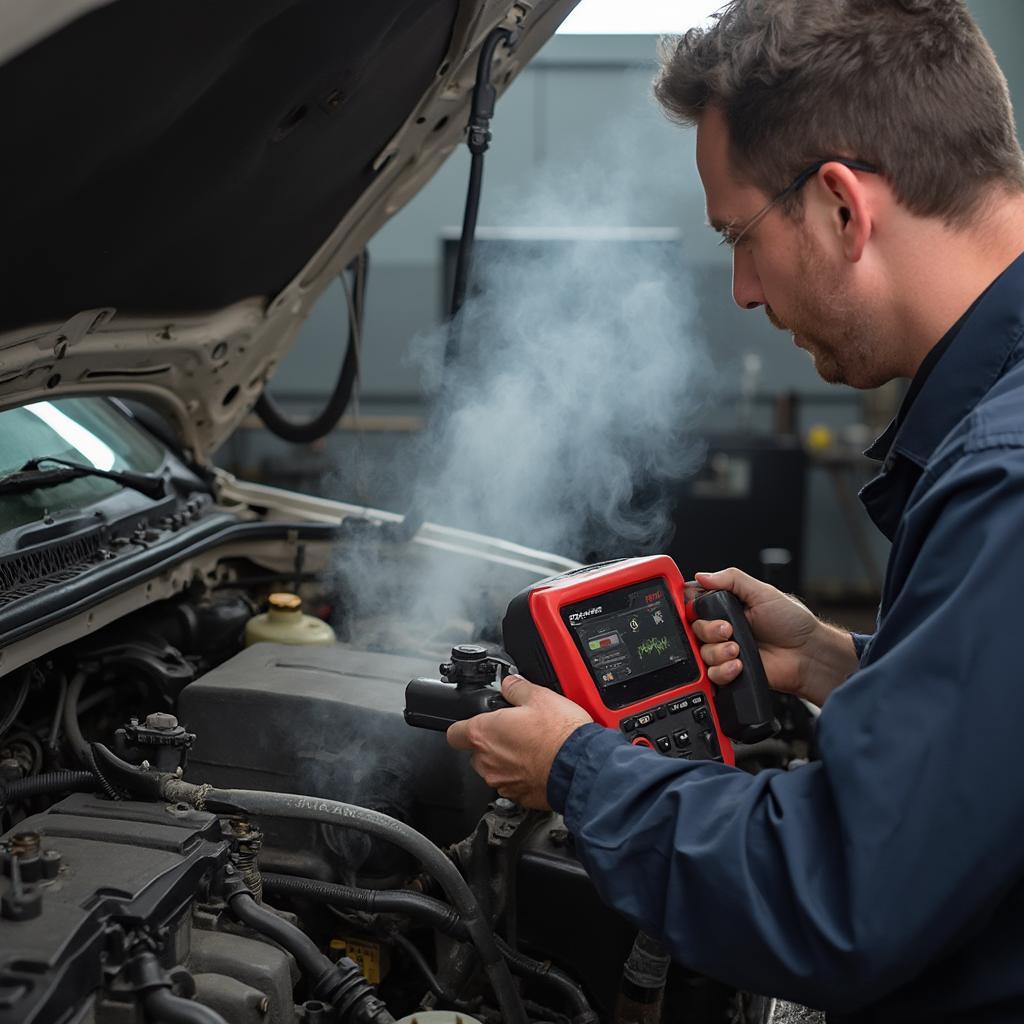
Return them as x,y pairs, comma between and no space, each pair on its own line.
844,191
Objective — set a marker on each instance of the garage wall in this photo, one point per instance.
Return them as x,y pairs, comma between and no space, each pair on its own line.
580,116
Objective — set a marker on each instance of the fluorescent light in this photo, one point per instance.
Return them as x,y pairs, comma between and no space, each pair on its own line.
640,17
83,441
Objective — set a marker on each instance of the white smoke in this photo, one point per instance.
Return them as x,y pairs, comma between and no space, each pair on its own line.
579,373
563,423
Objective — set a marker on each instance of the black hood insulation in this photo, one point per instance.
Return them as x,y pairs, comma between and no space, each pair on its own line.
181,155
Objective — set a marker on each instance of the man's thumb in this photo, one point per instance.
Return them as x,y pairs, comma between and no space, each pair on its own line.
517,690
745,587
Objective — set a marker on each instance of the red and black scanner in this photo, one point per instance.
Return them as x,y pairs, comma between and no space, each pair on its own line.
616,639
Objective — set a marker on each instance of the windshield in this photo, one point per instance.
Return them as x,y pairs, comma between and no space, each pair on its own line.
86,430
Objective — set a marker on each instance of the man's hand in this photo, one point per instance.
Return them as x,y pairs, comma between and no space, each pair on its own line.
514,748
801,654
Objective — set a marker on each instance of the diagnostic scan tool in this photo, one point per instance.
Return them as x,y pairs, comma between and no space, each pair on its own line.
615,638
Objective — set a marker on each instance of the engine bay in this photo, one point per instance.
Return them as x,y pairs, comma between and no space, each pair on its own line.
196,829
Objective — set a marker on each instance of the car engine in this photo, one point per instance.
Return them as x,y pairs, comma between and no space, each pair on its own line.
198,830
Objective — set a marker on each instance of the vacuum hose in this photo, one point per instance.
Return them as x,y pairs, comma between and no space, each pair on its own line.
530,968
434,914
371,901
43,785
340,984
332,812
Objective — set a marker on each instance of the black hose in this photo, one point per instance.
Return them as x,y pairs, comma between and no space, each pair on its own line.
478,138
307,954
58,715
72,729
19,702
340,984
161,1006
327,419
528,967
423,967
333,812
371,901
44,785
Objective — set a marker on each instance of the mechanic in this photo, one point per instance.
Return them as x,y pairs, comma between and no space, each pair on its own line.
860,158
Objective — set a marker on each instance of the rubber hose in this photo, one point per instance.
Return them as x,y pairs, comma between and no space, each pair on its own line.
423,967
341,984
332,812
529,967
372,901
432,980
72,729
305,432
42,785
161,1006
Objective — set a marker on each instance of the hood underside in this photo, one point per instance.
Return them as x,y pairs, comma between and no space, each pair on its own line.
184,178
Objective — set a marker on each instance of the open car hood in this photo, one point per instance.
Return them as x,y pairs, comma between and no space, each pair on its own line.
184,178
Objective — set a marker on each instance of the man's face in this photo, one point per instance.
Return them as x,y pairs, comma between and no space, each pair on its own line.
805,286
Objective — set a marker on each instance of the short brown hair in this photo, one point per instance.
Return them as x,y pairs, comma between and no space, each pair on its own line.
910,86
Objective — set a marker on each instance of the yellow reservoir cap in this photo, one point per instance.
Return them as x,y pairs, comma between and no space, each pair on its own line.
285,623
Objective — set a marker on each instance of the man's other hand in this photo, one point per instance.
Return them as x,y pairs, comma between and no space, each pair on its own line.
514,748
801,654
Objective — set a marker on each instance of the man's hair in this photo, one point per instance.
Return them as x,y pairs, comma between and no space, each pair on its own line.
910,86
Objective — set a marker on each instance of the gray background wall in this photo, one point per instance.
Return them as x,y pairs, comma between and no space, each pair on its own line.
582,111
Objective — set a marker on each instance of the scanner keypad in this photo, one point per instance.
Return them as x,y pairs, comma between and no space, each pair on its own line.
679,728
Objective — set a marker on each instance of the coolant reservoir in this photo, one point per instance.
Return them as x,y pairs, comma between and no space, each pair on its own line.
285,623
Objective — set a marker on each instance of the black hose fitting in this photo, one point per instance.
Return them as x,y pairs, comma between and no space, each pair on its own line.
125,778
340,984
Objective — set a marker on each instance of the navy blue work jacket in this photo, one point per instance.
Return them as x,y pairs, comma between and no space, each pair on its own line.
885,881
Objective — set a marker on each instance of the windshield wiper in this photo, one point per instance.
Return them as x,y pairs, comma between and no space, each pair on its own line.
30,477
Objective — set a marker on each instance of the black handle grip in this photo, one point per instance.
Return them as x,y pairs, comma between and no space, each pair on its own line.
744,706
434,704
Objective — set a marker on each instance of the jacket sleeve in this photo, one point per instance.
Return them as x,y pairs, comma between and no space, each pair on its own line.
860,643
834,884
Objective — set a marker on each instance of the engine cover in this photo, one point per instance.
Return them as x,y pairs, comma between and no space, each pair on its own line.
107,871
328,721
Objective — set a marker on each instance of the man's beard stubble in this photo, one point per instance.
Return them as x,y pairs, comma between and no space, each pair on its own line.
836,332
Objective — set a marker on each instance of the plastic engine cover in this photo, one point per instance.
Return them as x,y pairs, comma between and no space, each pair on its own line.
327,721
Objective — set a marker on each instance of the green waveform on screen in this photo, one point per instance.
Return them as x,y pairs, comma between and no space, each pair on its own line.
655,645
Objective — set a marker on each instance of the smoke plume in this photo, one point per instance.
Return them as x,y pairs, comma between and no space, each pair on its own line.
563,423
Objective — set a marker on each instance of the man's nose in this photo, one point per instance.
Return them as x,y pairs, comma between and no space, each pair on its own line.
746,285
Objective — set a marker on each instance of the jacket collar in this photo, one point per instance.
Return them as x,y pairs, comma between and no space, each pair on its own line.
972,363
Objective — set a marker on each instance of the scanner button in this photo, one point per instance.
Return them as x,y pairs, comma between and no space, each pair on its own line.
644,720
664,744
682,739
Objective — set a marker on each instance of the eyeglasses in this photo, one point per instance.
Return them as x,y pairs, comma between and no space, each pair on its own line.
792,188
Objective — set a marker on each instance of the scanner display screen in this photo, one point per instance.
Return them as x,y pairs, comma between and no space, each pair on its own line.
633,642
